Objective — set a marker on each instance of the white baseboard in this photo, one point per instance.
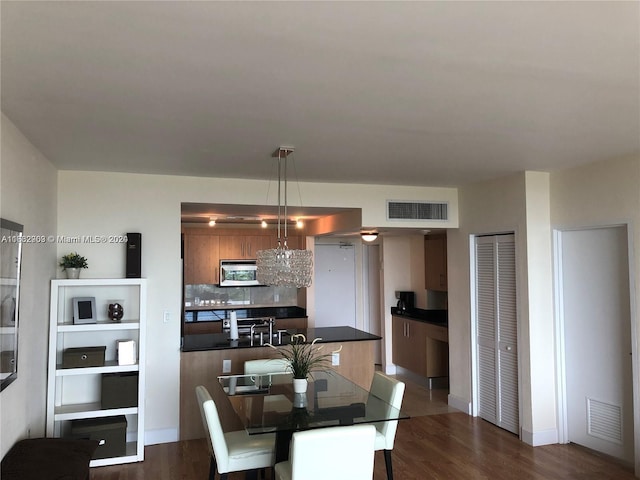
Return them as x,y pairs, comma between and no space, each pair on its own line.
544,437
390,369
460,403
167,435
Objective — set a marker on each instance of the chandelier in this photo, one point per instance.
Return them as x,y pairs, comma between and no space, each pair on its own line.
282,266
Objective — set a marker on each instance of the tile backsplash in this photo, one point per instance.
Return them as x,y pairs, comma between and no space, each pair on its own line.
204,295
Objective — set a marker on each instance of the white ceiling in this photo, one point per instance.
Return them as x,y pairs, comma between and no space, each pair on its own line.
416,93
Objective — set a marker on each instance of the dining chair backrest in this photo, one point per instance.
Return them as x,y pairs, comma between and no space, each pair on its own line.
215,435
338,453
265,366
391,391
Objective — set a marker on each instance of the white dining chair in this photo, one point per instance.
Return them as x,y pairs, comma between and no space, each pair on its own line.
270,366
391,391
232,451
265,366
338,453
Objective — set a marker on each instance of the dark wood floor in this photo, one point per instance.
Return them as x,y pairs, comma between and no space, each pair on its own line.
436,443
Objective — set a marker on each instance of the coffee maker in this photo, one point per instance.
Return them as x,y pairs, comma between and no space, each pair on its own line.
406,301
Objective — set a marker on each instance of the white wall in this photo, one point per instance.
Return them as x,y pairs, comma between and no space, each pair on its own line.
518,204
28,197
529,204
601,194
98,203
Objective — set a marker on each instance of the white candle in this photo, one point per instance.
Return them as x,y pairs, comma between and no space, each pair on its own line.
233,326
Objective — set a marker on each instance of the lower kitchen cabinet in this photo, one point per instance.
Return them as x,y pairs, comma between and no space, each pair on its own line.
420,347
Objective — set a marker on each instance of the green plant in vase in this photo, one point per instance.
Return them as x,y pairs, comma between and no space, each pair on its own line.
303,359
72,263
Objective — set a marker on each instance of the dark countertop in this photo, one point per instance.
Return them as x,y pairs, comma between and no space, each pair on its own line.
215,314
435,317
219,341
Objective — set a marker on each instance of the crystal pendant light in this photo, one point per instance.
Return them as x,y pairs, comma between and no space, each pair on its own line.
282,266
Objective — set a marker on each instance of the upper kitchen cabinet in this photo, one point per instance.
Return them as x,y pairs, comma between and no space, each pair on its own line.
294,242
205,247
435,259
236,247
201,257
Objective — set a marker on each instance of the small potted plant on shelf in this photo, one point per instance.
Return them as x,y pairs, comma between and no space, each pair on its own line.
72,263
303,358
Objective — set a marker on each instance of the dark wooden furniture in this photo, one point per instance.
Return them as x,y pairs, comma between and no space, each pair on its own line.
48,459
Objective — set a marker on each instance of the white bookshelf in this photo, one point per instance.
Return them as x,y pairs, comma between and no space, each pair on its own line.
75,393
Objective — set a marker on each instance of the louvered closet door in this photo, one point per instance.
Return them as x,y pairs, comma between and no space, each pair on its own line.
496,328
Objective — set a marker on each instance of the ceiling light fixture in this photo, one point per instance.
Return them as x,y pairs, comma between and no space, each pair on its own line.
369,236
299,223
282,266
263,224
212,222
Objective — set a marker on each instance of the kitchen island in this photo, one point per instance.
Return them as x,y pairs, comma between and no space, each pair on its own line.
203,355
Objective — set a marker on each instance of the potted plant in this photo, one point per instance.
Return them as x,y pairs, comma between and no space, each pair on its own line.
72,263
303,358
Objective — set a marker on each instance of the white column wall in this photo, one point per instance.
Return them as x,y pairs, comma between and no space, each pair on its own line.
512,204
538,327
28,196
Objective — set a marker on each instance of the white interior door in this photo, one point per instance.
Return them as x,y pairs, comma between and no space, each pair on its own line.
335,285
597,339
496,331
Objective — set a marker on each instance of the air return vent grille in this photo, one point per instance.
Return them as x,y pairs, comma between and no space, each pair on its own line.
604,420
398,210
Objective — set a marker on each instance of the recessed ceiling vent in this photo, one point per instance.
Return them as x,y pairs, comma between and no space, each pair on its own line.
398,210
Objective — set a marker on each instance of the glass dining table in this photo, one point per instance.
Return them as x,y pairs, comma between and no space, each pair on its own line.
268,404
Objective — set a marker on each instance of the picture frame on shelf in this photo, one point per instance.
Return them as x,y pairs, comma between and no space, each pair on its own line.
84,310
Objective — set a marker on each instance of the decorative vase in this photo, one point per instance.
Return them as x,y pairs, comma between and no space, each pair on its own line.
115,312
299,400
299,385
73,272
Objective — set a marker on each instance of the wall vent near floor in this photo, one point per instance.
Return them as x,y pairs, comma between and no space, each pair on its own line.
399,210
604,420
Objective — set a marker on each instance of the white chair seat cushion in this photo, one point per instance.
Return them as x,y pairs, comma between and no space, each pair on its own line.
380,442
250,451
283,470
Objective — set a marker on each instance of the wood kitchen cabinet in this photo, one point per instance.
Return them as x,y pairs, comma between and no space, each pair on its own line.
435,260
408,340
201,258
436,350
244,247
205,247
420,347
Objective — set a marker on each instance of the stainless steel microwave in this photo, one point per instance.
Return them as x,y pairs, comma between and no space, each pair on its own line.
238,273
